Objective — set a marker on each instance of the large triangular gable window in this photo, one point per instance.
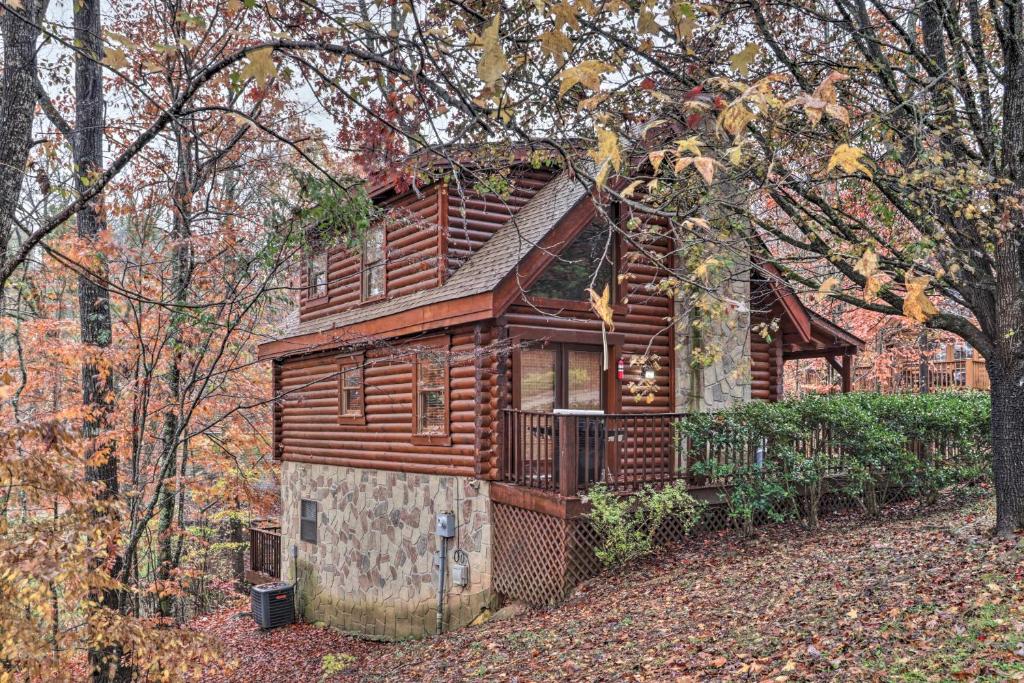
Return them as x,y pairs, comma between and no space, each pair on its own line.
587,262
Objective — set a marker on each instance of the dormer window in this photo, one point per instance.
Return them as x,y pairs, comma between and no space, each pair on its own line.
316,275
373,263
587,262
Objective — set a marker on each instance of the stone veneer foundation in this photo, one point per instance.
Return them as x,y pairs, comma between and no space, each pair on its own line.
371,571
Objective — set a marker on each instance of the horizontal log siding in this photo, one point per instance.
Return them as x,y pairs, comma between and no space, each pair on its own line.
309,416
474,217
412,249
764,363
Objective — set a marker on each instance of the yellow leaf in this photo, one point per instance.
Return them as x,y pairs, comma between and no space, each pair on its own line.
736,154
706,167
556,44
741,60
631,188
827,287
588,73
233,7
15,4
871,287
848,159
656,158
602,306
790,666
690,144
735,117
868,263
647,23
917,306
493,63
565,14
607,155
260,66
114,58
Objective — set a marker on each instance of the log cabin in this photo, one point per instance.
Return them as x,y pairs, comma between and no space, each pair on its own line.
453,364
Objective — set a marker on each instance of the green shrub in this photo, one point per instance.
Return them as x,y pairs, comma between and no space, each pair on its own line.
332,664
779,458
626,524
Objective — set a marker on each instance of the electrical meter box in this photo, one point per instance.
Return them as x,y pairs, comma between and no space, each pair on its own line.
446,525
460,574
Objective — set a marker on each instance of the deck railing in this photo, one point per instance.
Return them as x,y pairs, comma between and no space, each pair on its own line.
265,548
567,454
625,452
943,375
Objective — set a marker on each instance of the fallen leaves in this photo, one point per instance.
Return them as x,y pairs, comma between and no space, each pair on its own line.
910,598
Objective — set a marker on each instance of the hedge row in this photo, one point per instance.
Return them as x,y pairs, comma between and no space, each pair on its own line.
867,445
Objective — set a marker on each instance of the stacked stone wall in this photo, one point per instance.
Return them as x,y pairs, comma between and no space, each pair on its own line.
372,570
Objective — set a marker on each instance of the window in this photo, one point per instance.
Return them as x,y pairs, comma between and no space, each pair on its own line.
587,262
307,521
373,263
350,390
430,393
316,275
560,376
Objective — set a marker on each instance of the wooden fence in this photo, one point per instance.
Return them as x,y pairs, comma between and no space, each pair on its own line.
265,548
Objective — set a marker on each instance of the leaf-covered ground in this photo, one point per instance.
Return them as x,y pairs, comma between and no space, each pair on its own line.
919,596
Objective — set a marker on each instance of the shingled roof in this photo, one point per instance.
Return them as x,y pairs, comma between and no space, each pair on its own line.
486,269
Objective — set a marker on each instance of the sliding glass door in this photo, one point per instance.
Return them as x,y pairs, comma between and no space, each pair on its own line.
561,376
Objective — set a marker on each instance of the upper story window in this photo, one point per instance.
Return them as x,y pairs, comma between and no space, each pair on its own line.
587,262
316,275
373,263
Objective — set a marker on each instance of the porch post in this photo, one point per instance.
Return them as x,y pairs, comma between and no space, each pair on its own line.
568,457
847,373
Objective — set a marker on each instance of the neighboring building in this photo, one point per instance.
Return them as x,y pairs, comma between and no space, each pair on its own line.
436,371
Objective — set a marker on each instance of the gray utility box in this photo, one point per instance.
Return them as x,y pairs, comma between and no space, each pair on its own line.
446,525
273,604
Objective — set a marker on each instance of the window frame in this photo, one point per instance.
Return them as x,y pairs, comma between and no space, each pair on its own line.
583,303
562,350
364,266
439,345
529,335
347,363
315,520
311,293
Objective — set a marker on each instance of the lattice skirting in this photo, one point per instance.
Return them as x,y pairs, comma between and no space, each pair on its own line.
540,559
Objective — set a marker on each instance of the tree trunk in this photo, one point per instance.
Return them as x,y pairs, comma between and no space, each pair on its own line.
1007,449
19,31
105,660
182,274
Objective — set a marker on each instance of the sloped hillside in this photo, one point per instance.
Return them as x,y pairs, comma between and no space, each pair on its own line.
919,596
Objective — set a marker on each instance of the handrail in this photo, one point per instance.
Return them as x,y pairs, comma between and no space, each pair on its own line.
569,453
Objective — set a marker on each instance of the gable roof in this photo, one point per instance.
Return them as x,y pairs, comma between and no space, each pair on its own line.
500,270
474,285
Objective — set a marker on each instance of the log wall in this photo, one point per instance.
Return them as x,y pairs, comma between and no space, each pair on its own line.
473,217
414,248
309,424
